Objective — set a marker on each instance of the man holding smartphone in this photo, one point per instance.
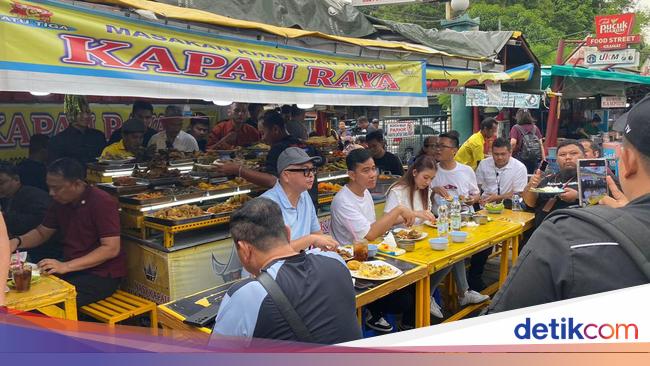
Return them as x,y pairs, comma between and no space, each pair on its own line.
568,257
568,154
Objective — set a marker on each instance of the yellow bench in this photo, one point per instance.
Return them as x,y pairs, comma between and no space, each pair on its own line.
121,306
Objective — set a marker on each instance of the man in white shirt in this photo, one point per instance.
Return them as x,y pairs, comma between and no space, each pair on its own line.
353,210
453,178
173,137
353,218
499,176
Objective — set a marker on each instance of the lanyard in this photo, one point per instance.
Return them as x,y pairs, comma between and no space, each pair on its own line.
498,179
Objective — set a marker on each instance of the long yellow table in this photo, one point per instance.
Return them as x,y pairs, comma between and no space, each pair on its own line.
173,314
503,228
44,296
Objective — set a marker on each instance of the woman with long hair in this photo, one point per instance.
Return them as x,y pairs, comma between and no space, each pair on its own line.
413,191
526,129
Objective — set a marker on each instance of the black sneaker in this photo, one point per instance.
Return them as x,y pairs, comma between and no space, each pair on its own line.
378,323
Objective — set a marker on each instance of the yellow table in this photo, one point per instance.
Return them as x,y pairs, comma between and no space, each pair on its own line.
171,315
44,296
500,229
526,219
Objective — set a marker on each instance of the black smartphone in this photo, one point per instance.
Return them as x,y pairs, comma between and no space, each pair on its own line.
543,165
592,181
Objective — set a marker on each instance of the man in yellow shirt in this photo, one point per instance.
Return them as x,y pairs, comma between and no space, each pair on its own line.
471,153
131,143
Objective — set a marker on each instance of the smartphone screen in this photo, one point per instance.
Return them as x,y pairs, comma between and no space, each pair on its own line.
592,182
543,165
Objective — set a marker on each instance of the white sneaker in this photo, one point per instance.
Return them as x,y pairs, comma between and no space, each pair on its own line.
435,309
472,297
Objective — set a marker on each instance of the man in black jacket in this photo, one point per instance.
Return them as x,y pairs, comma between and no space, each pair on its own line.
23,208
567,257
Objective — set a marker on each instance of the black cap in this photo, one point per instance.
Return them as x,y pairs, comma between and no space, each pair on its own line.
637,130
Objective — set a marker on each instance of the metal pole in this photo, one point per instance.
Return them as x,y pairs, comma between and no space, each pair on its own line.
553,113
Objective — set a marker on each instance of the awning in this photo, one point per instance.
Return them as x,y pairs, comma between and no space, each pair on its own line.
582,82
57,47
441,80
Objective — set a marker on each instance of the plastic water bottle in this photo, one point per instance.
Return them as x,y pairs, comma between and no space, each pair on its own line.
516,202
454,214
443,218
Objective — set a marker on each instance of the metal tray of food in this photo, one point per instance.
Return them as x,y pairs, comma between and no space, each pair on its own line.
122,190
160,181
181,162
145,202
185,193
169,222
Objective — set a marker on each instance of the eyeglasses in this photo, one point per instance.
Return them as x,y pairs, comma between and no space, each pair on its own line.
440,146
305,171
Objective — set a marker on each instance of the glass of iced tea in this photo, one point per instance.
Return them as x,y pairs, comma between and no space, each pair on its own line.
360,249
22,276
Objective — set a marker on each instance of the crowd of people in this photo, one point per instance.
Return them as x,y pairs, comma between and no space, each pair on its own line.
278,238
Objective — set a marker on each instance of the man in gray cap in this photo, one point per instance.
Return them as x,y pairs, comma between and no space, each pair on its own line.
578,252
296,173
130,145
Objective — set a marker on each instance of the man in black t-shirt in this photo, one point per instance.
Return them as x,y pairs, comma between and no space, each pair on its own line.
384,160
568,153
317,284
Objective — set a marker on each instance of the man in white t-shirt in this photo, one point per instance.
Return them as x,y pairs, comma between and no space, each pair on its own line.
353,218
453,178
353,211
499,176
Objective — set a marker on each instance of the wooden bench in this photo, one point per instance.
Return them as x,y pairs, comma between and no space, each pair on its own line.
121,306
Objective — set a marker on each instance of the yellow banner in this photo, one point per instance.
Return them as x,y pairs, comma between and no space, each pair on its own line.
453,81
57,47
18,122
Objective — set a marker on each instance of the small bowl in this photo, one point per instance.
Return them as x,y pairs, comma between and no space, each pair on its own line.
458,236
372,250
408,245
495,212
480,219
465,216
439,243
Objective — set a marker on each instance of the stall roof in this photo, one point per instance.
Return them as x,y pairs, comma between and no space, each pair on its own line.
583,82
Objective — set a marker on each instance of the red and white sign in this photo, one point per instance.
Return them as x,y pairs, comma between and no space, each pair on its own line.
613,102
613,32
614,25
401,129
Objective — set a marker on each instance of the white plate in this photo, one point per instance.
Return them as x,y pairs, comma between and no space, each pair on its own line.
424,235
430,224
396,272
347,250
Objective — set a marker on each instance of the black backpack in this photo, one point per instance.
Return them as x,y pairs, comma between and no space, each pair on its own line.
630,234
531,145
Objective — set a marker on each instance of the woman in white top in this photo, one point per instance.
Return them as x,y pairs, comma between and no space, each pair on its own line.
411,191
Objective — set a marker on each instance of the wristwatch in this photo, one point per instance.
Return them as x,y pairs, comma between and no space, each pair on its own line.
20,241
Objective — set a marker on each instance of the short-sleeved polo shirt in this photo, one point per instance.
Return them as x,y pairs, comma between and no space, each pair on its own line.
302,219
82,224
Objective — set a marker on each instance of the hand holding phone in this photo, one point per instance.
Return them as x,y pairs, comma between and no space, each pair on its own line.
543,165
592,181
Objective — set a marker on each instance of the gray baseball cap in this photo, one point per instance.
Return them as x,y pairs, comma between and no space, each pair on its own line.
295,156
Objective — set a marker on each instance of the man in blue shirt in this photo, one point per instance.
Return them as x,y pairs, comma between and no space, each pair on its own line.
296,173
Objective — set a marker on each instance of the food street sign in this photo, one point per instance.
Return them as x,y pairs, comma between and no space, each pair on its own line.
401,129
628,56
613,32
613,102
